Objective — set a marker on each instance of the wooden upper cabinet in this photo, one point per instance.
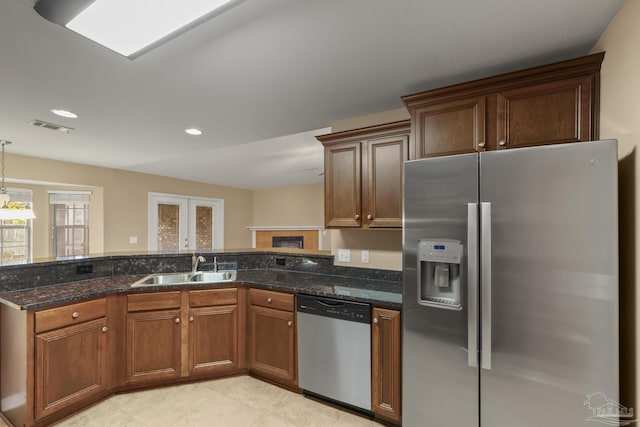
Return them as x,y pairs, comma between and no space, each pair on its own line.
343,184
548,113
383,198
551,104
453,127
363,175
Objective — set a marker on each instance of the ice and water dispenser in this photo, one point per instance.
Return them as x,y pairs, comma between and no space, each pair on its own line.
439,274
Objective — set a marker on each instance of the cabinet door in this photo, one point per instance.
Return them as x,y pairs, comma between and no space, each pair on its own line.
383,199
549,113
71,365
385,360
272,343
452,127
342,185
153,345
213,339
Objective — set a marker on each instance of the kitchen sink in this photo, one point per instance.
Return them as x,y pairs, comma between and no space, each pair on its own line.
200,277
214,276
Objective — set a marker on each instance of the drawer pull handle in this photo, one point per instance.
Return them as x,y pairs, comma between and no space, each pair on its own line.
369,216
481,144
75,314
289,323
190,318
105,329
501,143
269,300
356,217
375,320
177,320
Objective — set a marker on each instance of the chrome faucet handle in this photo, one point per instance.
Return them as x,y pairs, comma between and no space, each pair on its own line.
215,263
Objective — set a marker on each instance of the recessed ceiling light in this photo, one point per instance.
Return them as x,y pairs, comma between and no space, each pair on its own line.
193,131
64,113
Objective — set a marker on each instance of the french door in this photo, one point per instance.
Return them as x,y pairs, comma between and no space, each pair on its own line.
185,223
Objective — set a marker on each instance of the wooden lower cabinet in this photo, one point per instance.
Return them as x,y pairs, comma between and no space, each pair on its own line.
213,339
153,345
271,340
386,364
71,365
80,353
183,333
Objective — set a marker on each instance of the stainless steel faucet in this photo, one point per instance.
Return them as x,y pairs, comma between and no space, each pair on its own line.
194,262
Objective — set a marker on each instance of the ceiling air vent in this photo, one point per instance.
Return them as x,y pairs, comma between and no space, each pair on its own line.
53,126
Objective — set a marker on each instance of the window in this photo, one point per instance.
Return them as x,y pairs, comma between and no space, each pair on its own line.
15,234
70,223
185,223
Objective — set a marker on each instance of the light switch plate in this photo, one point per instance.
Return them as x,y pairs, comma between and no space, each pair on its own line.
365,256
344,255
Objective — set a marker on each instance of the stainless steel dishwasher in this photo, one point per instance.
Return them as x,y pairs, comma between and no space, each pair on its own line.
334,350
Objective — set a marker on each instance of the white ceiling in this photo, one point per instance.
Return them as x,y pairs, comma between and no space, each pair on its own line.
264,77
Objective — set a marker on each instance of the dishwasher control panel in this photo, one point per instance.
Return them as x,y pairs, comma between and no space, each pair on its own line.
334,308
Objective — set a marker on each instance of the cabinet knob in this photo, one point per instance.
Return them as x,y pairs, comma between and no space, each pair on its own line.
105,329
375,320
356,216
501,143
481,144
289,323
190,318
269,300
369,216
75,314
177,320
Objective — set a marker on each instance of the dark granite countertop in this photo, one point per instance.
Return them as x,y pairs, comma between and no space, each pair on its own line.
381,292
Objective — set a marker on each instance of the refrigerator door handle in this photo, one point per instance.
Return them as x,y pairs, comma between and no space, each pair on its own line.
485,283
472,284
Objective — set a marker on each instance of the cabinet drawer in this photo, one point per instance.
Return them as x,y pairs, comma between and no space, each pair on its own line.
209,297
60,317
153,301
271,299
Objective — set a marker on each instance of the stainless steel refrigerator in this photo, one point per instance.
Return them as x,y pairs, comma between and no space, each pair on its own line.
510,304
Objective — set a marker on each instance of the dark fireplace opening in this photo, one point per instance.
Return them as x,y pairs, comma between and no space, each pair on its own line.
292,242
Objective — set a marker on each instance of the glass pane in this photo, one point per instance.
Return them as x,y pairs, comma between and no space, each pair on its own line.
60,215
14,241
204,227
168,227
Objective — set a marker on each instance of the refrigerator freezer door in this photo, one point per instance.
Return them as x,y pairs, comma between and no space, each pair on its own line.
440,388
554,283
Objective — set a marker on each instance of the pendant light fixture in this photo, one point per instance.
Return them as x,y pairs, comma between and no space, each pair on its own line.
9,209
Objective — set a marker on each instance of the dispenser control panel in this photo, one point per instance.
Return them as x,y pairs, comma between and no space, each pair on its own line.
444,251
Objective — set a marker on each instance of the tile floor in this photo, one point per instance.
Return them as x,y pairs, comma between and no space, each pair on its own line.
228,402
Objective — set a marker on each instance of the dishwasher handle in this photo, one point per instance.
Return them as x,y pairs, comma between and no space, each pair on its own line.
331,303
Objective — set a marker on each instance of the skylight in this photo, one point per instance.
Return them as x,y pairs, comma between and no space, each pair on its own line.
130,26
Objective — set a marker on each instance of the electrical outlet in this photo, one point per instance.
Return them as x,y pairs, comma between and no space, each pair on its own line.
133,240
84,269
344,255
365,256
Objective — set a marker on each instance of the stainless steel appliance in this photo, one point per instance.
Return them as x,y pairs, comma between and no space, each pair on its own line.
510,304
334,350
